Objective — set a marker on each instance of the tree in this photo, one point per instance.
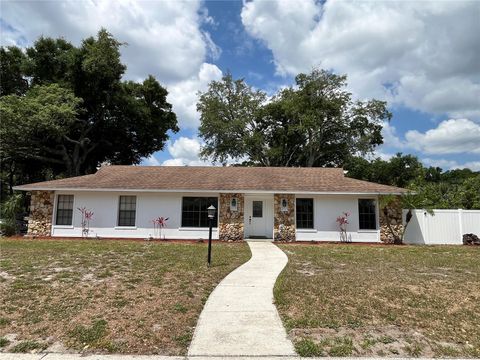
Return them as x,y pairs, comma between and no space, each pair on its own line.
229,120
76,111
12,62
400,170
314,124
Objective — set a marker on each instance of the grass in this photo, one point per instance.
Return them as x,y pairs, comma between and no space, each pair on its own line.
4,342
104,296
343,300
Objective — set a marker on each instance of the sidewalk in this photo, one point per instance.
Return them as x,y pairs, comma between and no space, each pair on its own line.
53,356
239,318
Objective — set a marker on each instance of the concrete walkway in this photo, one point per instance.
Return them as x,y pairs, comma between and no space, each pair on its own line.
239,318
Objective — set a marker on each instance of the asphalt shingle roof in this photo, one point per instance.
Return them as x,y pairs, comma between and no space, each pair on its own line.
209,178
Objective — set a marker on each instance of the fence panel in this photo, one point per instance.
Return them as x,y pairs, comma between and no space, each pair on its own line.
444,227
471,222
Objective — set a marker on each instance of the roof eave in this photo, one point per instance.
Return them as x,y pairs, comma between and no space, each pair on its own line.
25,188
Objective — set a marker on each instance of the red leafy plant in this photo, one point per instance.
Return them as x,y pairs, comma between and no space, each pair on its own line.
158,225
87,216
342,222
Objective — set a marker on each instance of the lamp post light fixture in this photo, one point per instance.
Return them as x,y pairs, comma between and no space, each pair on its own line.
211,214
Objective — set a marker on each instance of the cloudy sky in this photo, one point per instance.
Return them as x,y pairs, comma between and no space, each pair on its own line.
422,57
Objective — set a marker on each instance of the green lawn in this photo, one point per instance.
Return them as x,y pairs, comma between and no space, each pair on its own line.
107,296
343,300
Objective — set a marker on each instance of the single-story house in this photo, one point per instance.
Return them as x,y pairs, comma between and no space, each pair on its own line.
253,202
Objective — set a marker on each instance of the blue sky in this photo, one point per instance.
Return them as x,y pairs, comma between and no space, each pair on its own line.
422,57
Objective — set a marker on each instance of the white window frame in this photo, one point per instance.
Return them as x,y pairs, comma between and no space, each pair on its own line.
54,215
312,229
377,215
120,227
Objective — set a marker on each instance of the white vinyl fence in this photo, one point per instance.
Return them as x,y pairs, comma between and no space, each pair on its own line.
444,227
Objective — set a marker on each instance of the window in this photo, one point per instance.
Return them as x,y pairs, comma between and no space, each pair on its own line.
64,210
304,212
194,211
367,217
257,210
127,210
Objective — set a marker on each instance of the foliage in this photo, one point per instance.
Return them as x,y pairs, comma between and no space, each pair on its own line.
229,114
315,123
65,110
9,210
431,187
400,170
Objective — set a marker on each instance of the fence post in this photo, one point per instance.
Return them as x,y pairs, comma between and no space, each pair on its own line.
460,226
425,227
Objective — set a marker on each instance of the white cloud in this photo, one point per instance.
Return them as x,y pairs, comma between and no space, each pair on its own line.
390,137
425,55
452,164
162,38
185,151
449,137
151,161
183,94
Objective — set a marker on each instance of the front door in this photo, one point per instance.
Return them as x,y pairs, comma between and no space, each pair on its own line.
258,218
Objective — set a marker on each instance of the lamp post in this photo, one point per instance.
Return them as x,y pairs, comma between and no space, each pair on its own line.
211,213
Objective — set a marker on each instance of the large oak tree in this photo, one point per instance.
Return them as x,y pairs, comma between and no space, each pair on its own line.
315,123
66,109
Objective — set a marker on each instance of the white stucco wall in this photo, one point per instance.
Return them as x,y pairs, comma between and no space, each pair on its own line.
149,206
326,209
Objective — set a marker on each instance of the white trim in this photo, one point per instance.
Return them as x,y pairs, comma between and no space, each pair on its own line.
54,215
305,230
377,215
118,214
243,191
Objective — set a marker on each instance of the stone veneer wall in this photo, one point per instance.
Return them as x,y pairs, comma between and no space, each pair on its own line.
41,212
284,222
394,211
231,222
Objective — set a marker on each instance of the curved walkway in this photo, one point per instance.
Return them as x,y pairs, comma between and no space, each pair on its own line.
239,317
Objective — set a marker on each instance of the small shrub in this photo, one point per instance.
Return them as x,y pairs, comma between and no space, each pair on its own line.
307,347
